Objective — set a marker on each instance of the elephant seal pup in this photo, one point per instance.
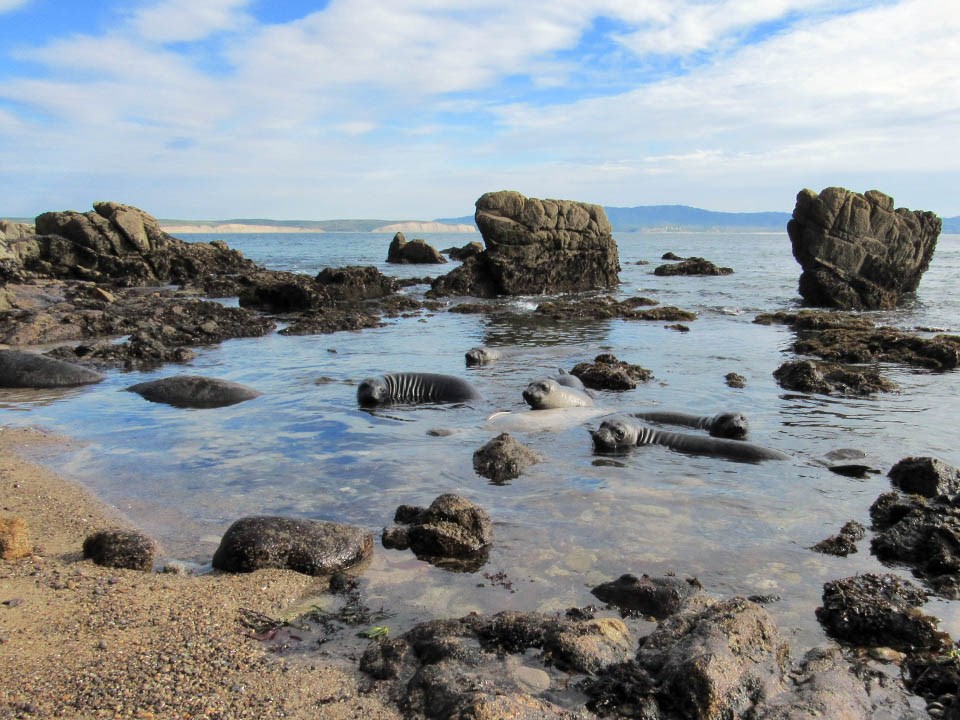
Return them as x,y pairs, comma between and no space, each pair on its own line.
620,432
194,391
20,369
482,355
732,425
565,378
548,394
413,387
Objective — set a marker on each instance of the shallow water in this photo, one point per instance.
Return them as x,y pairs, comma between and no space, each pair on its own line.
304,448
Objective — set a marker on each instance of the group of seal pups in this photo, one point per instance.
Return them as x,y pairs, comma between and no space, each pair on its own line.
616,433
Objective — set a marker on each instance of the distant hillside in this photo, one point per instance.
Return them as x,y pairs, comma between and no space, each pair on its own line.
679,217
951,225
684,217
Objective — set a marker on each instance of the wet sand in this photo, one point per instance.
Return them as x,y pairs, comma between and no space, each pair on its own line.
81,641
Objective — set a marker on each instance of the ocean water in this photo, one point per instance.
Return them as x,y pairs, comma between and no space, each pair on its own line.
304,448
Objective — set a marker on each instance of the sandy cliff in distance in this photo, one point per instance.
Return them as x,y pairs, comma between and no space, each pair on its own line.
416,226
233,228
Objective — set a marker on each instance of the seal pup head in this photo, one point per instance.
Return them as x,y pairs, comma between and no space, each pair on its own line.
481,356
372,391
615,434
732,425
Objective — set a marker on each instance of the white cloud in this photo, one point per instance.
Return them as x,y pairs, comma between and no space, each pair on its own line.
8,5
188,20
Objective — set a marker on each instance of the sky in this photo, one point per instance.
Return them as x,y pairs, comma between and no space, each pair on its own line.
412,109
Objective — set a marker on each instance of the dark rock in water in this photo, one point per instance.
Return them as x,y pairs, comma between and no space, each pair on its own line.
670,256
856,251
352,283
872,610
693,266
925,476
453,532
312,547
809,376
30,370
504,458
845,542
414,252
606,372
536,247
842,337
921,532
603,307
654,596
331,320
679,327
854,470
121,549
735,380
476,666
194,391
281,292
471,249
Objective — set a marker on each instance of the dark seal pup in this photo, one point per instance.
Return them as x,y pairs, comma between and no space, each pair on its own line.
620,432
412,387
194,391
731,425
19,369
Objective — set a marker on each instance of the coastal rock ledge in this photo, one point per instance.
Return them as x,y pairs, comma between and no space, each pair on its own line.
536,247
858,252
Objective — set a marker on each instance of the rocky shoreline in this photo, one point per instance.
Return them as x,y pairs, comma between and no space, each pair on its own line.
145,644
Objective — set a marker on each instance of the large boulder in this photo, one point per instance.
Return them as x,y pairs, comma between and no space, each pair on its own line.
536,247
120,243
857,251
312,547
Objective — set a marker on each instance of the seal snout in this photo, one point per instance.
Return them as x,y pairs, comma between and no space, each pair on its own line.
369,392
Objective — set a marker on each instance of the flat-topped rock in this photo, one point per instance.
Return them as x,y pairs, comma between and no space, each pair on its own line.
536,247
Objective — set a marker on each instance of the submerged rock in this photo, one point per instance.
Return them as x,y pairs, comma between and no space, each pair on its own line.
846,338
654,596
504,458
453,532
809,376
606,372
856,250
843,543
536,247
312,547
692,266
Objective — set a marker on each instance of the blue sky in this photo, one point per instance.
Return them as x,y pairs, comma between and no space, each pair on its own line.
411,109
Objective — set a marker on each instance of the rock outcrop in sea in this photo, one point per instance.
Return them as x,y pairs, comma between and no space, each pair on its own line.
536,247
857,251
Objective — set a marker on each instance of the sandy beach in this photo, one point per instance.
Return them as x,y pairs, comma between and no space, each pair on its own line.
82,641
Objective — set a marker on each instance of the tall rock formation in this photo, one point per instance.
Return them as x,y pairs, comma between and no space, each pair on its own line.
536,247
857,251
118,243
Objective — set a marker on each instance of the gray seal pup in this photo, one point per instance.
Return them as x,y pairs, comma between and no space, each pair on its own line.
732,425
194,391
482,355
413,387
20,369
620,432
549,394
565,378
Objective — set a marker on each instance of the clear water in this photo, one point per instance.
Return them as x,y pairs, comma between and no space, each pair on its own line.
305,449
